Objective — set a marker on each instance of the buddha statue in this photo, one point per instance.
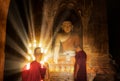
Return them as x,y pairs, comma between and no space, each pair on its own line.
65,43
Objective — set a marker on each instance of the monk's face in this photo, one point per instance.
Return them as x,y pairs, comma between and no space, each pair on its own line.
67,26
38,53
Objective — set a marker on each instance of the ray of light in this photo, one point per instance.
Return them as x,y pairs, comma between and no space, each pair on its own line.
18,25
44,24
14,64
26,7
31,20
15,46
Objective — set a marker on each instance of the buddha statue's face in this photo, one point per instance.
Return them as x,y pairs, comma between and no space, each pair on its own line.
67,26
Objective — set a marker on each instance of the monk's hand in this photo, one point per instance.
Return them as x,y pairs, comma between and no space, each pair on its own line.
75,76
77,49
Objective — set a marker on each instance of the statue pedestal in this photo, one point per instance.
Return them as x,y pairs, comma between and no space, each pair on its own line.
61,72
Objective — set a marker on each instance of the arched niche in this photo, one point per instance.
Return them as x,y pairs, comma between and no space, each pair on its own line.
70,14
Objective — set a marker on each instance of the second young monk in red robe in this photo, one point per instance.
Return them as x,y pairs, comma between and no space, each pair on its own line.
80,73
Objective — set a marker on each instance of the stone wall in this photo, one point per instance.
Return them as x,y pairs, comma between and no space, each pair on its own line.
95,42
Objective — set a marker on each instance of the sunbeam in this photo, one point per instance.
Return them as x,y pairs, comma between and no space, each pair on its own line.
31,20
15,46
13,64
18,25
43,26
26,7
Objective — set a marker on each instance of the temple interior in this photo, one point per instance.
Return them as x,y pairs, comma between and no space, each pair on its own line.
26,24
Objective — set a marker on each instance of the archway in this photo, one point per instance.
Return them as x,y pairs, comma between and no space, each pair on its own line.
69,14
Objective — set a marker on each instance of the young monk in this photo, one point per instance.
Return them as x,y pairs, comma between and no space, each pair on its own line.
37,71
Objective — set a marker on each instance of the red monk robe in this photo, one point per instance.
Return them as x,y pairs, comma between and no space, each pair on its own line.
34,73
80,64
